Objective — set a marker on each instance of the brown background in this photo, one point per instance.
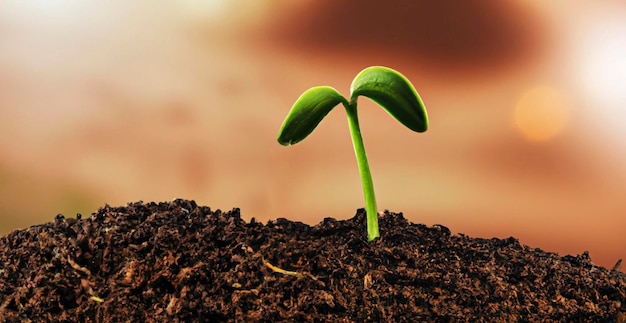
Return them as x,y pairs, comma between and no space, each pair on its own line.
123,101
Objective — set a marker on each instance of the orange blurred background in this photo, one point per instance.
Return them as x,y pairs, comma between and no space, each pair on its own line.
117,101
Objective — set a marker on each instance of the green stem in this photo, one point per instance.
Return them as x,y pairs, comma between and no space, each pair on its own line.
364,169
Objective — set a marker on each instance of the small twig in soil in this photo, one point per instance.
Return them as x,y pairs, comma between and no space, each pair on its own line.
618,266
279,270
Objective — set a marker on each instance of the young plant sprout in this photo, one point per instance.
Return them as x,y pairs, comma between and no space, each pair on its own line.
388,88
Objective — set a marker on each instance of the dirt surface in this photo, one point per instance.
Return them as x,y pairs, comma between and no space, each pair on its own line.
179,262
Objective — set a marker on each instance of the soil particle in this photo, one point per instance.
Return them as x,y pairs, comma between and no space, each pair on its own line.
180,262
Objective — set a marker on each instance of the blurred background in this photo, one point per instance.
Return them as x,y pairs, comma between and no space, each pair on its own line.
119,101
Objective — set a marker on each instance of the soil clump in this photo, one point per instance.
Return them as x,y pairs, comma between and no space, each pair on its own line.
180,262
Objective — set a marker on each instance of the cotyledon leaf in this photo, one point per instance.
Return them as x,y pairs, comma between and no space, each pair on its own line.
308,111
394,93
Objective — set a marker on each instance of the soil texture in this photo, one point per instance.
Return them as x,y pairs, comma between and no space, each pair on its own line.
180,262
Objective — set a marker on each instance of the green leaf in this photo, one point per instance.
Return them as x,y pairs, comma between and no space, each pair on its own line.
394,93
308,111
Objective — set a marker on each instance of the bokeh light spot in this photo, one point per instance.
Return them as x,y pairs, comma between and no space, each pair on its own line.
541,113
599,66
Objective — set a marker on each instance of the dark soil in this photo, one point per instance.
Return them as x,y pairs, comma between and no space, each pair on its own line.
177,261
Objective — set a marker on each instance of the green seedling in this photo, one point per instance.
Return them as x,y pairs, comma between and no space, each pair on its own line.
388,88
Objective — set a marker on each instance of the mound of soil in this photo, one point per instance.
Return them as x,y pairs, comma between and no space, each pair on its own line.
178,261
